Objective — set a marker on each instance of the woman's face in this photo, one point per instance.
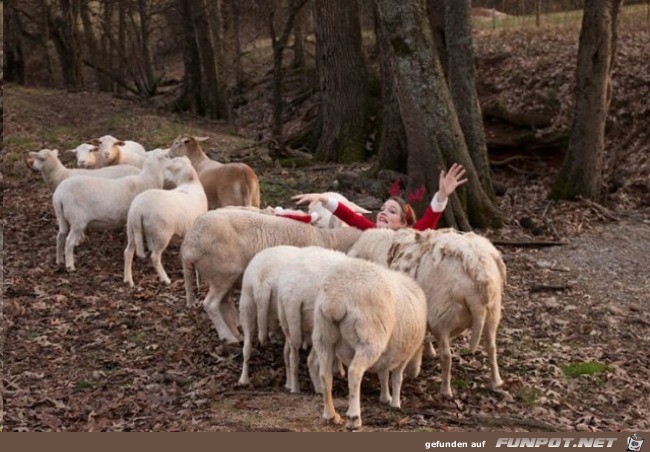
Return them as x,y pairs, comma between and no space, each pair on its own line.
390,216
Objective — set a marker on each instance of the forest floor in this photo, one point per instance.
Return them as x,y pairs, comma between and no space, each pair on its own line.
83,352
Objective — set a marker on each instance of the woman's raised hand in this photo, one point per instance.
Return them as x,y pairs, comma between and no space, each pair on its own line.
450,181
311,198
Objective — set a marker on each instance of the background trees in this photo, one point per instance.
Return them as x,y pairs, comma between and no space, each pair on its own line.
401,88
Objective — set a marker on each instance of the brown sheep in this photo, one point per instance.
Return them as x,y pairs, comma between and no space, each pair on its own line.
229,184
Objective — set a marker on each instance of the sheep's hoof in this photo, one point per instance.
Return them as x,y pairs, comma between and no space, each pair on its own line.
447,394
244,382
353,423
70,269
385,399
497,384
336,419
295,391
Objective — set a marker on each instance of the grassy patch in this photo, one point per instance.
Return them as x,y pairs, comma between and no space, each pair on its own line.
83,384
528,396
588,368
461,383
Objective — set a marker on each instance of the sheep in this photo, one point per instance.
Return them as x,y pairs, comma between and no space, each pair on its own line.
232,184
222,242
257,306
296,289
47,162
371,318
85,201
116,152
88,156
463,276
161,214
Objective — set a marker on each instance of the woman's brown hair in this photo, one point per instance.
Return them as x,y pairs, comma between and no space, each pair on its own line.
408,214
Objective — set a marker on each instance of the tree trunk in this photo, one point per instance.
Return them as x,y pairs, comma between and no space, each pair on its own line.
343,81
214,97
582,171
66,41
298,39
462,84
392,152
146,61
436,14
279,43
433,133
96,55
14,60
190,99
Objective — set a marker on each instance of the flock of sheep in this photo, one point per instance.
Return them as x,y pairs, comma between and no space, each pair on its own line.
360,300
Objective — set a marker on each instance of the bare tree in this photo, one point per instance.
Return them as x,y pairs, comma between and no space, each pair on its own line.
582,171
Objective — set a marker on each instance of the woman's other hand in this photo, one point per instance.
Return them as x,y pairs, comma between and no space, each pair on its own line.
450,180
311,198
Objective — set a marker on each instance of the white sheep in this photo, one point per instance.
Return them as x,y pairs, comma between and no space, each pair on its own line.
160,214
47,162
462,275
116,152
297,286
257,303
372,319
231,184
85,201
222,242
88,156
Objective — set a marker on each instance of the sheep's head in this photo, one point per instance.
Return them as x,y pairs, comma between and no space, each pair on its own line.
186,145
36,159
179,170
108,146
88,155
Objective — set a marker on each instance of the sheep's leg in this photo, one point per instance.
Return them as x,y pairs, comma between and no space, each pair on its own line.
445,361
358,366
128,262
287,363
312,364
325,362
324,336
229,313
247,318
70,242
396,378
156,260
384,396
491,347
211,305
246,351
60,241
415,363
294,358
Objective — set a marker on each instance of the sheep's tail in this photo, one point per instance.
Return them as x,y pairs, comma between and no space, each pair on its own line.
490,293
263,303
134,228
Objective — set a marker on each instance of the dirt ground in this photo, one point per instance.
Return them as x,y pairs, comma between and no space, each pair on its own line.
83,352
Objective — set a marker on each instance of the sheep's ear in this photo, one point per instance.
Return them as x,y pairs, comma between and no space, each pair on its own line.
73,151
120,143
201,138
55,152
94,141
